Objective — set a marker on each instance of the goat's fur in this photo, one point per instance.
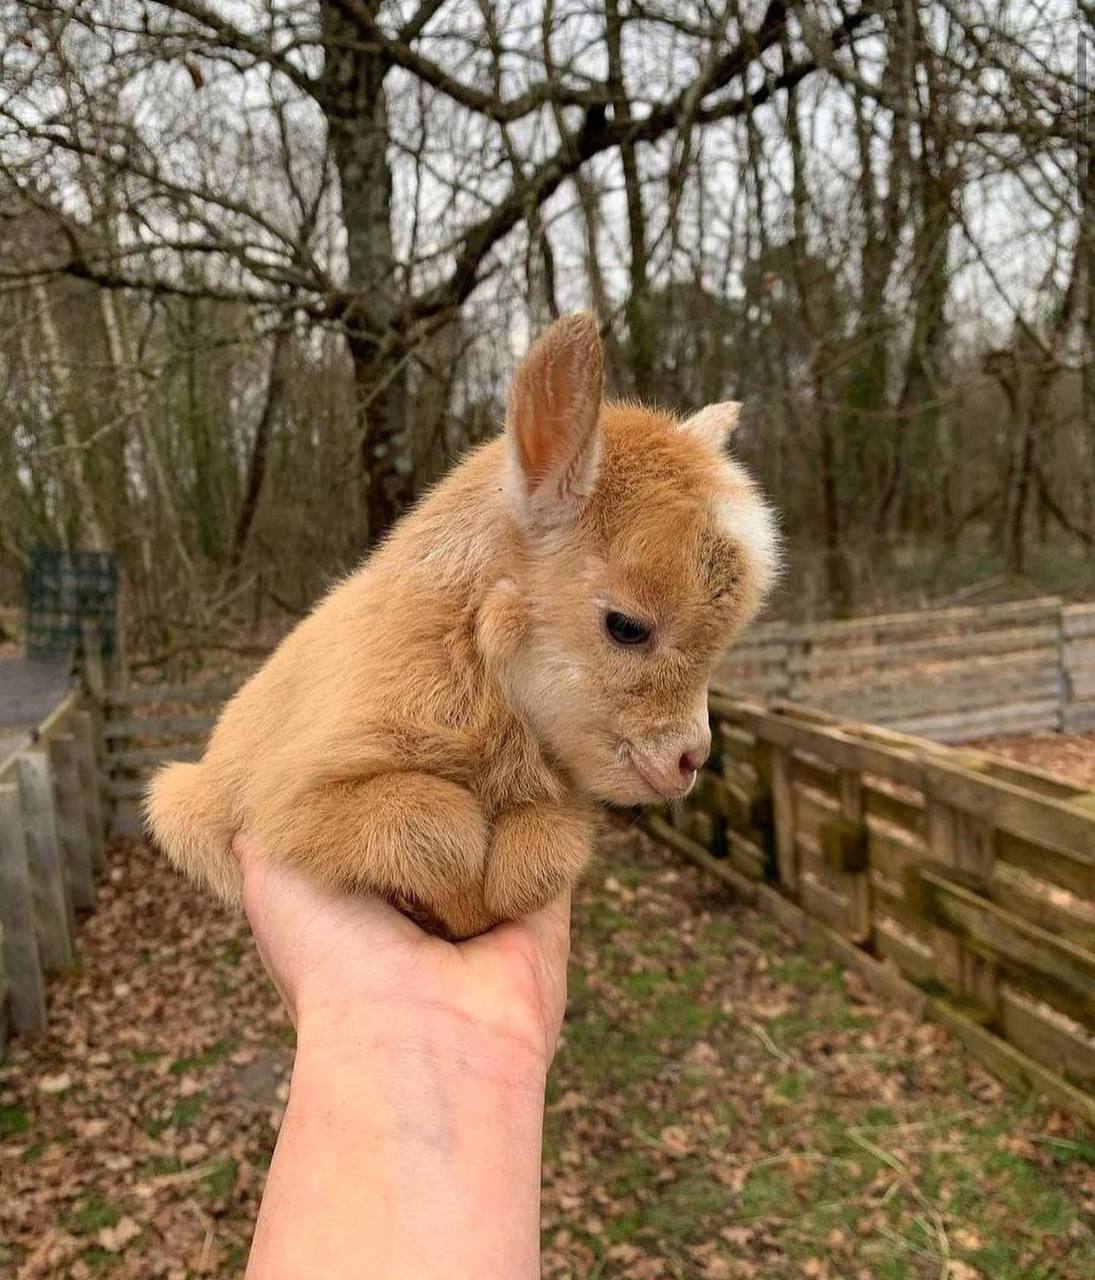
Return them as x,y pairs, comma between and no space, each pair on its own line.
440,728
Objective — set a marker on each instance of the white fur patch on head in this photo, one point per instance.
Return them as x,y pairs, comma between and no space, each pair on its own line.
714,423
751,523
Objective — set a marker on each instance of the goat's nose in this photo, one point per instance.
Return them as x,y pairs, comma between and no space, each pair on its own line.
691,761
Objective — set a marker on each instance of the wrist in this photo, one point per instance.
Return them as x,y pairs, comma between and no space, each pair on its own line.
393,1051
406,1130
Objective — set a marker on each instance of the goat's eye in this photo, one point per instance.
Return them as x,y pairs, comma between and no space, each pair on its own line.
625,630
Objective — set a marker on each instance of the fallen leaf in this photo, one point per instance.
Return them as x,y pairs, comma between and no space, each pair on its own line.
114,1239
961,1271
55,1084
675,1141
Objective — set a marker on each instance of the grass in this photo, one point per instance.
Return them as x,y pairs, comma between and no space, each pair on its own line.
745,1110
92,1214
99,1261
13,1121
724,1106
210,1057
220,1179
187,1110
183,1114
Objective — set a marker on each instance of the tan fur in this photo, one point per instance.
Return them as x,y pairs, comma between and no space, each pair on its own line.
440,728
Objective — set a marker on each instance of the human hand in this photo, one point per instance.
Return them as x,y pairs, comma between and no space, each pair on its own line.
343,962
411,1143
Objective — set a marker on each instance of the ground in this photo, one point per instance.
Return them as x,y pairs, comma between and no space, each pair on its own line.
724,1104
1070,755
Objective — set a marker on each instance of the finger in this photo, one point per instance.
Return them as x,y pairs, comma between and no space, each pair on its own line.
550,930
260,879
254,868
278,896
244,847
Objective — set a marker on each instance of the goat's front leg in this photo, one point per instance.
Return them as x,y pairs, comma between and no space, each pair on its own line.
417,840
536,851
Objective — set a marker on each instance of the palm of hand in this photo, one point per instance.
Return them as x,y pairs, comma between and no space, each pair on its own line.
335,958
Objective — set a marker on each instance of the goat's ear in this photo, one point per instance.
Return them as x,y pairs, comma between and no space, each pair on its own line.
553,435
715,423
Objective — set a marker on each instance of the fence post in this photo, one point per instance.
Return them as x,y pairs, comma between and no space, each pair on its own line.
859,878
27,994
942,837
90,786
48,876
72,820
800,642
1064,683
783,817
976,853
964,843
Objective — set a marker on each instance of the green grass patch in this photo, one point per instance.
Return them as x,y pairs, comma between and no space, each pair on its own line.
808,971
844,1176
208,1058
602,917
1077,1150
623,1228
678,1210
187,1110
13,1121
220,1179
92,1214
635,1170
235,1257
99,1261
793,1085
766,1192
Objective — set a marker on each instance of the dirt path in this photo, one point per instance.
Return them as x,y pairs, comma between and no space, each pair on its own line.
1072,755
724,1105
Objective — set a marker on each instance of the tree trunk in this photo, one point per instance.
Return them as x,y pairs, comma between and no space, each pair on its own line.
1085,274
917,413
865,391
131,400
1022,473
260,449
838,578
355,106
89,527
642,355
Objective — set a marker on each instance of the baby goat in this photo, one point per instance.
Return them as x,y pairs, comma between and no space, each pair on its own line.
536,636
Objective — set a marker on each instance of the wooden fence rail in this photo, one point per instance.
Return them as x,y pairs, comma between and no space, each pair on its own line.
144,728
961,883
53,831
948,674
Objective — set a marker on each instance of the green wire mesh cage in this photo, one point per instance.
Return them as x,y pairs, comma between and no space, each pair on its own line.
68,594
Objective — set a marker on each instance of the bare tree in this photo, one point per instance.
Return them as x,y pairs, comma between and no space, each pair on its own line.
313,234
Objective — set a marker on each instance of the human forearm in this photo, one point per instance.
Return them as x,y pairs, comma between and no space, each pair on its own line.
401,1134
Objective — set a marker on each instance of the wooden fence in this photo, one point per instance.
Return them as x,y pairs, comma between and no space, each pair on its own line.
52,849
960,883
143,728
948,674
